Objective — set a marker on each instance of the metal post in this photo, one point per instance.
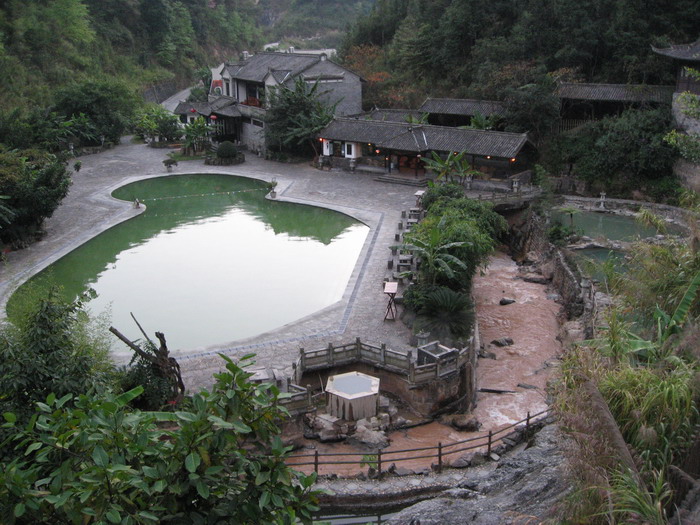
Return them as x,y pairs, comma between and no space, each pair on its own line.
316,461
490,437
440,456
379,462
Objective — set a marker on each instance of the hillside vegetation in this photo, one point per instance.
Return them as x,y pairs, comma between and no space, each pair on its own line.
475,48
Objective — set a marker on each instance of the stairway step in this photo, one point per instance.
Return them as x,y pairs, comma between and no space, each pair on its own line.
419,183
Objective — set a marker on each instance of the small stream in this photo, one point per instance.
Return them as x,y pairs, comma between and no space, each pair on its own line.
523,368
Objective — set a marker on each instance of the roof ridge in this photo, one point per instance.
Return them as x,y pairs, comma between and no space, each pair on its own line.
419,125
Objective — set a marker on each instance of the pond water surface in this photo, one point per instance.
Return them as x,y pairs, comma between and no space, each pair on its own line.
607,225
211,261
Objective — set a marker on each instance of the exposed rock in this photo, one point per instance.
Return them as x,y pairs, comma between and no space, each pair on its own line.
487,355
478,458
506,300
528,484
370,439
536,279
494,457
403,471
466,422
527,386
463,461
384,403
503,341
330,436
459,494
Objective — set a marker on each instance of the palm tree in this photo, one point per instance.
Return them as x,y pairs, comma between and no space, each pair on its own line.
454,166
434,254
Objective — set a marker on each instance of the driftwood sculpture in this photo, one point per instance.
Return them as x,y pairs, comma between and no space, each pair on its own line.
167,366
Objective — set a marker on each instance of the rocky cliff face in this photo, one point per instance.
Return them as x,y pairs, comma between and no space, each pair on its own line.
527,486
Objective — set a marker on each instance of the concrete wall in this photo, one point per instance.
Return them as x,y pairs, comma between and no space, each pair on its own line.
663,210
688,173
253,137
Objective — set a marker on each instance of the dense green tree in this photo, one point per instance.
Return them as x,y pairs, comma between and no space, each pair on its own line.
50,347
156,122
629,147
35,183
296,116
109,106
533,108
220,459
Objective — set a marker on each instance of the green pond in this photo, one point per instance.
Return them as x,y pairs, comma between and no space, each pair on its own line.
608,226
210,261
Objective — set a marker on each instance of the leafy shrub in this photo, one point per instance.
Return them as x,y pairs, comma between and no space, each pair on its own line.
35,183
227,150
446,314
437,191
414,296
559,233
654,409
157,390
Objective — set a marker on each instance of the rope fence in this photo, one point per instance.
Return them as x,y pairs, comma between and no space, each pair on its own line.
438,451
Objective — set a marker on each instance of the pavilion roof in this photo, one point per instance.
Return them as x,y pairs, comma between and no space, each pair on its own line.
615,92
685,52
422,138
463,106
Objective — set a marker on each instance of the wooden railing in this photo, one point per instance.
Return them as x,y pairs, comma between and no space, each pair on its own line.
438,452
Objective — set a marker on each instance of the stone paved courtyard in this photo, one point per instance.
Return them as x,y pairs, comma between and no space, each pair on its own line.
89,209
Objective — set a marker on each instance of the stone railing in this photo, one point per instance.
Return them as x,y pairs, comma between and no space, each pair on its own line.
440,378
438,366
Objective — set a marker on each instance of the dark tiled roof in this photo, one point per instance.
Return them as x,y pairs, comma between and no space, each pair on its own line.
615,92
463,106
223,106
200,108
421,138
283,67
390,115
688,52
229,111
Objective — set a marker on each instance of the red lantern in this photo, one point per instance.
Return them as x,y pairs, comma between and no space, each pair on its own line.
192,110
213,117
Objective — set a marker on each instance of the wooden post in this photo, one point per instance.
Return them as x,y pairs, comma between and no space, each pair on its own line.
490,437
440,456
331,356
308,394
527,426
411,371
379,462
382,353
358,348
316,461
302,362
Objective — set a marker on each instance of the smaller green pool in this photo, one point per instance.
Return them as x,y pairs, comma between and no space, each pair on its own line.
211,261
607,225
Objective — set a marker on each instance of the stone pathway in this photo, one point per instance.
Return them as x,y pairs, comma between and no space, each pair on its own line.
89,209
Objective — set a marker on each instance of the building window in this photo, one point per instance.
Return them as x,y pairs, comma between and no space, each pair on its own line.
258,123
227,84
348,149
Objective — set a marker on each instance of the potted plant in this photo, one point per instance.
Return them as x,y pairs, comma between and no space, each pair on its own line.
271,187
169,163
